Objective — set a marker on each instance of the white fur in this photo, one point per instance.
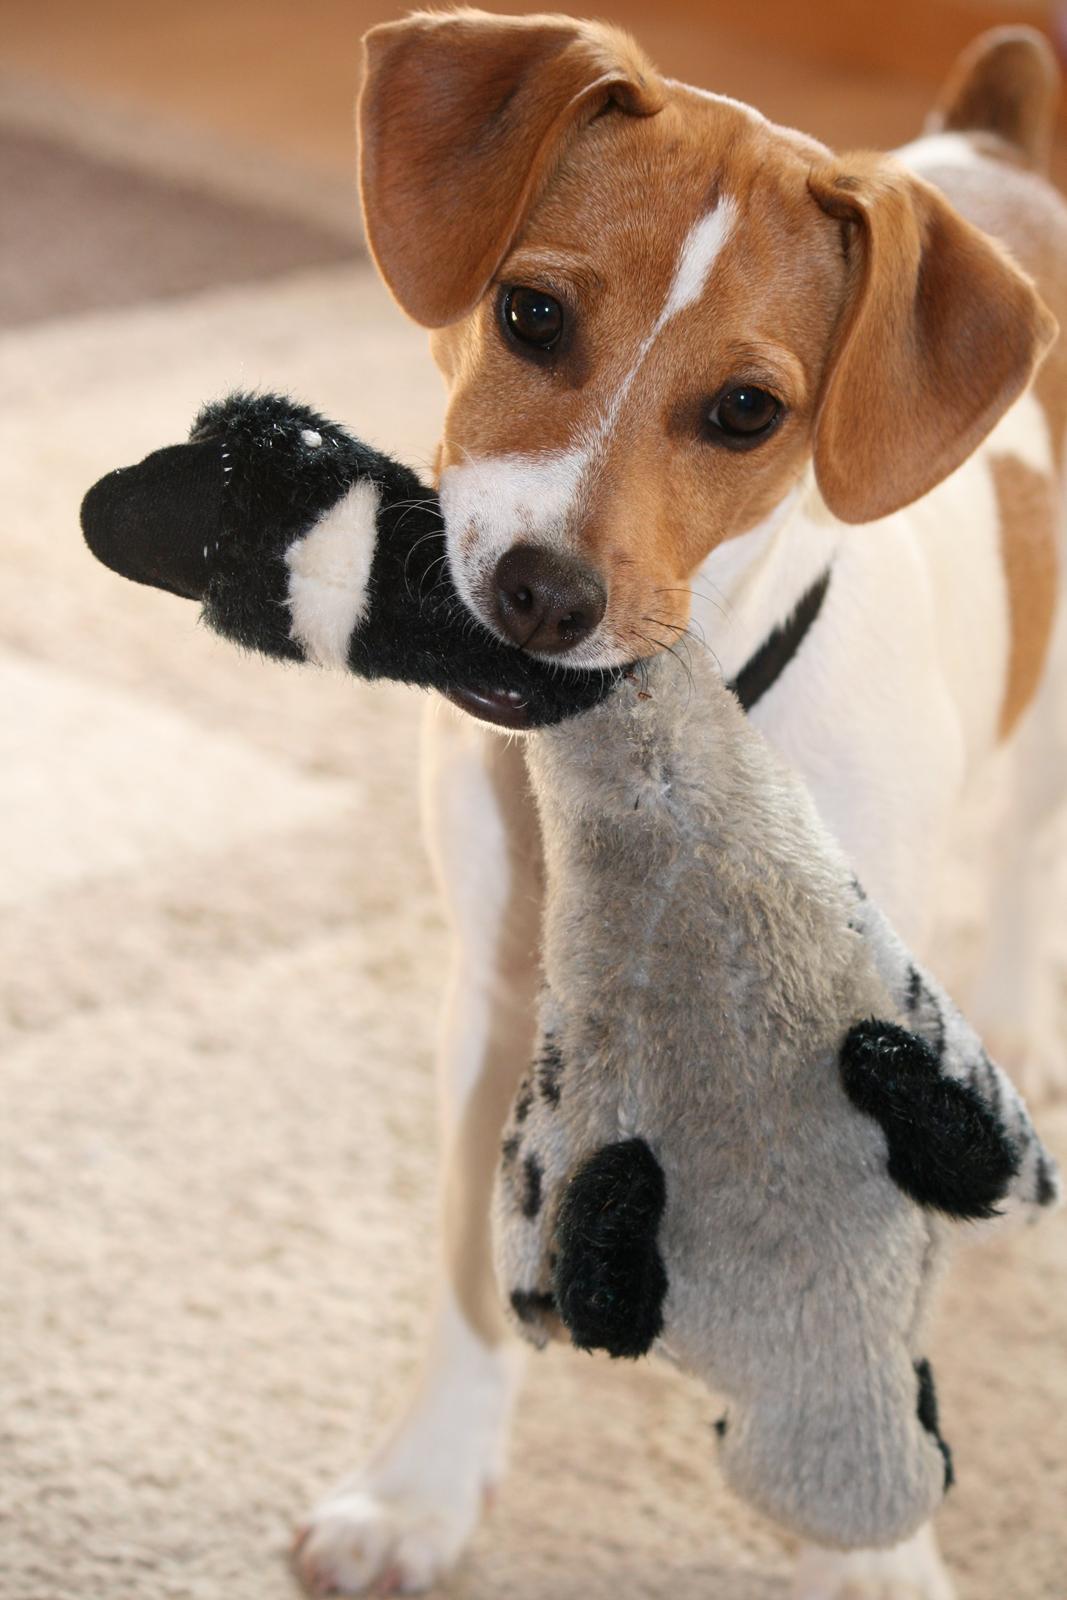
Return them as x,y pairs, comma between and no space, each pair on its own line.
702,248
329,570
405,1519
939,150
916,616
493,502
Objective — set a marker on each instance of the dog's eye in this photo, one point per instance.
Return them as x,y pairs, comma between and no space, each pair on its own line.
744,415
532,317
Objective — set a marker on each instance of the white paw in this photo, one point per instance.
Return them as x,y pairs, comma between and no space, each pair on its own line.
909,1571
358,1541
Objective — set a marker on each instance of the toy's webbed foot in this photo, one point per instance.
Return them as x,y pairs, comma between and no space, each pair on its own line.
610,1281
947,1150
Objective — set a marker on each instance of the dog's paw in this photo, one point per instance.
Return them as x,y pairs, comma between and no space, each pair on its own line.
360,1541
910,1571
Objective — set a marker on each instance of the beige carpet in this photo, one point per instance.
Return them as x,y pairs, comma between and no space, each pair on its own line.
219,964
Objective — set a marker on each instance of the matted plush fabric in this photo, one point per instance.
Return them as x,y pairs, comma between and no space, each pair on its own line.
220,959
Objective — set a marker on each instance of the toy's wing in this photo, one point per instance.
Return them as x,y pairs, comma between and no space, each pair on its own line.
926,1010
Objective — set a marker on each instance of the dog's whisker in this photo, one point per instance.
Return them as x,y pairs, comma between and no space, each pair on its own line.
720,604
687,634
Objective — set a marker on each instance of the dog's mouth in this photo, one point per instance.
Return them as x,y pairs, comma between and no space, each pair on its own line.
507,708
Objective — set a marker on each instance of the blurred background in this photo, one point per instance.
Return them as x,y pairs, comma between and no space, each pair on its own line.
221,956
253,99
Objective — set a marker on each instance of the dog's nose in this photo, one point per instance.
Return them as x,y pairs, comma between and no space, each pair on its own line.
546,601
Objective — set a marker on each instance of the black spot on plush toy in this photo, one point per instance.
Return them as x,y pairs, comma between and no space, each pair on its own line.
753,1124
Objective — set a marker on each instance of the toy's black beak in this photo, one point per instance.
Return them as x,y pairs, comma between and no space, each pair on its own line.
160,522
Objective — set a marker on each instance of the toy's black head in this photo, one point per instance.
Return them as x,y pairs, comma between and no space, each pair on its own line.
269,500
155,522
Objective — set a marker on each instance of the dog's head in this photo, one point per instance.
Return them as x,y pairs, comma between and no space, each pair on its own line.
653,310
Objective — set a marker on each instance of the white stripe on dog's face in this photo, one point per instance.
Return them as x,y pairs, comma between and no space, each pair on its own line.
700,250
495,502
699,253
329,575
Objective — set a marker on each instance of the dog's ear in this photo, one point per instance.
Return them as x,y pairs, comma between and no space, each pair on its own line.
461,116
940,334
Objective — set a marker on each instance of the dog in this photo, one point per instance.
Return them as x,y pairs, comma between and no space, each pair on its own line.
707,382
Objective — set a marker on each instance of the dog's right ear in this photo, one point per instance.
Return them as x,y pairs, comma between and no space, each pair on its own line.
461,117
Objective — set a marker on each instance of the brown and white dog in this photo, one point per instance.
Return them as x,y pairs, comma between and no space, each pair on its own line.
687,353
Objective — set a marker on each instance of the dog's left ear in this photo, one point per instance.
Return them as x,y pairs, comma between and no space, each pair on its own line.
941,333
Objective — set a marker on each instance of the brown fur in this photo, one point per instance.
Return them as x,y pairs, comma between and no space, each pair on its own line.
459,126
941,334
1027,503
548,152
1022,209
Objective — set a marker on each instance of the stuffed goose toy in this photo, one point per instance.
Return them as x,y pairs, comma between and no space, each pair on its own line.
754,1125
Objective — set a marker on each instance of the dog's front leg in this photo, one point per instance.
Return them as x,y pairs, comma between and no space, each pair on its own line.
404,1520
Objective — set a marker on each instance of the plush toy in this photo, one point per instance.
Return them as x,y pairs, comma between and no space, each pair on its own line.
753,1123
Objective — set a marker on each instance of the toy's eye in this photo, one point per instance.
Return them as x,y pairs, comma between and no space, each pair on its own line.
532,317
742,416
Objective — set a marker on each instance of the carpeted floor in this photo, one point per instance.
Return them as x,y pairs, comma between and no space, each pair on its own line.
220,958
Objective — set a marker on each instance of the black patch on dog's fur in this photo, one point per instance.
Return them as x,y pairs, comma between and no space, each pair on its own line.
946,1148
509,1149
530,1199
610,1279
531,1304
928,1416
721,1424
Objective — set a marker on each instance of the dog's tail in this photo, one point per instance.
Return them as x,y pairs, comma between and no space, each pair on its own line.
1007,83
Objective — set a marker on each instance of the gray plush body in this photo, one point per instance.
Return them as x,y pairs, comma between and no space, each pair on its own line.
706,952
